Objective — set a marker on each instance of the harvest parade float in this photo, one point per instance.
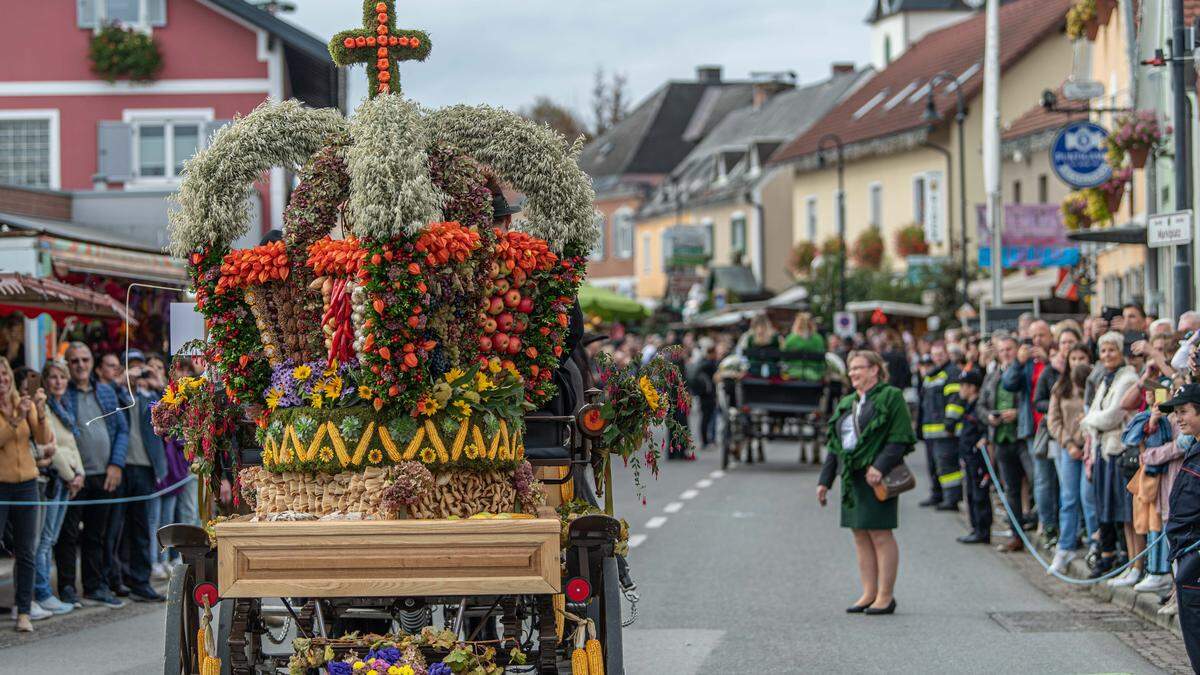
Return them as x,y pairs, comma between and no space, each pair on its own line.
399,390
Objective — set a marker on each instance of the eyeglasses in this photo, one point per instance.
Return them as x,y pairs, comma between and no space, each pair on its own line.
79,359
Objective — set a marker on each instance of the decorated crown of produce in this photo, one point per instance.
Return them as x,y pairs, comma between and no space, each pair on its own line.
424,333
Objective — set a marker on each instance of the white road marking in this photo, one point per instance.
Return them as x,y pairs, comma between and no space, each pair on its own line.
704,483
689,494
673,507
636,540
656,522
717,474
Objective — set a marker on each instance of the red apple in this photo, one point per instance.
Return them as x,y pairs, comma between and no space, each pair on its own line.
512,298
501,286
514,345
493,270
495,306
520,325
525,306
518,277
504,322
485,344
500,340
489,325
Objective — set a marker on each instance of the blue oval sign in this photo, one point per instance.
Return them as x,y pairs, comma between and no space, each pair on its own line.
1079,155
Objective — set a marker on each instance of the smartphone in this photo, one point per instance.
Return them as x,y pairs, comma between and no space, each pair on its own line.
1160,396
33,382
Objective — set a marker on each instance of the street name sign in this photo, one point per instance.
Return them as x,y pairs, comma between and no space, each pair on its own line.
1169,229
1083,90
844,324
1079,154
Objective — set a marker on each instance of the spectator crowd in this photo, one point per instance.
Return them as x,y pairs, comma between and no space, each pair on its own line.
76,437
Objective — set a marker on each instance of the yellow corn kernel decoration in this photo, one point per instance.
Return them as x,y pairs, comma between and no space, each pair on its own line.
339,445
504,441
595,657
579,656
560,619
315,447
364,444
495,446
478,436
268,454
436,441
413,446
459,439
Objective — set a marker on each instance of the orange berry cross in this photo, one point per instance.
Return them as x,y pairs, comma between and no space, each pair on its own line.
379,45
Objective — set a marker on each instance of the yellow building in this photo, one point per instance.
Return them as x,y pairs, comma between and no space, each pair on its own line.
901,162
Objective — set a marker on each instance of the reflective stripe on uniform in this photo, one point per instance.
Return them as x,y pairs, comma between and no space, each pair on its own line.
951,388
951,479
931,383
954,411
932,428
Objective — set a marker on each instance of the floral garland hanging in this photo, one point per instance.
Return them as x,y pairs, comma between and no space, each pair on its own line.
117,52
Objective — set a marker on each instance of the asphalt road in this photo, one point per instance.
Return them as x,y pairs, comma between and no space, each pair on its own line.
743,572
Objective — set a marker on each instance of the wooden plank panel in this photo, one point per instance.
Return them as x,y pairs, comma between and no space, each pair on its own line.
387,558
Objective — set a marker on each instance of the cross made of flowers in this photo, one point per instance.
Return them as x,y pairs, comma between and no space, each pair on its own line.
380,45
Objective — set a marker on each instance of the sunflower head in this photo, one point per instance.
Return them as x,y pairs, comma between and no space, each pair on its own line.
375,456
428,455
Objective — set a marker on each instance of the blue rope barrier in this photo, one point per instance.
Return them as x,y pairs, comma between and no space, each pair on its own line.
1016,526
112,500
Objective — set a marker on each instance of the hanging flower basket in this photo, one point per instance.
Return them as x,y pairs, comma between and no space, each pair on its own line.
1114,188
868,249
1082,20
1075,212
802,258
1135,135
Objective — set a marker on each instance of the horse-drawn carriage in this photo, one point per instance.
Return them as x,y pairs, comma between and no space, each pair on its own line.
427,446
775,395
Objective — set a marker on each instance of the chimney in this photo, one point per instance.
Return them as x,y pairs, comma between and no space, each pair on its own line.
841,68
708,74
767,84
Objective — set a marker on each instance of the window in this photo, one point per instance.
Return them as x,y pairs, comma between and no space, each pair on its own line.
623,234
667,246
810,218
164,139
28,148
737,227
1017,192
919,199
709,236
1043,190
887,50
598,252
647,263
138,13
876,197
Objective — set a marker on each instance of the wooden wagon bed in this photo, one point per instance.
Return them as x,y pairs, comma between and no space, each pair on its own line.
381,558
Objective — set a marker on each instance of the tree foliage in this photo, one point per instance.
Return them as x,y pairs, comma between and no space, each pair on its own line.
544,110
610,101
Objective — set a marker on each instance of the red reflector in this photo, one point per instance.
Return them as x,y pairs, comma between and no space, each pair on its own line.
206,591
578,590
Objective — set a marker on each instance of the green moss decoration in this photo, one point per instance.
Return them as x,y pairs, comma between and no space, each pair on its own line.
118,52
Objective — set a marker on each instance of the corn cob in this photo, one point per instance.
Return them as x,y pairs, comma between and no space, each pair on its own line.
459,439
480,446
595,658
436,441
413,446
315,447
566,489
339,446
579,657
560,619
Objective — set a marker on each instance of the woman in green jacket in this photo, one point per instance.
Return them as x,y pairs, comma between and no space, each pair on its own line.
804,338
869,434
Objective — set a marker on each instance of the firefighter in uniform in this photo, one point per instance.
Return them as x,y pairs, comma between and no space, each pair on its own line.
941,409
971,432
1183,525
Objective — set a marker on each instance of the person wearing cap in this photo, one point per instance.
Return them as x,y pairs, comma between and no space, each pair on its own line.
1183,520
971,433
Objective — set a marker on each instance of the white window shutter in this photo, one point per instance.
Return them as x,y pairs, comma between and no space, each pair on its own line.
85,13
156,13
114,151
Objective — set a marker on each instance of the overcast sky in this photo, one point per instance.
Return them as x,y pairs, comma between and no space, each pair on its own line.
509,52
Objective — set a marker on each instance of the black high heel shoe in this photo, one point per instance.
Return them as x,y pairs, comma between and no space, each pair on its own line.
890,609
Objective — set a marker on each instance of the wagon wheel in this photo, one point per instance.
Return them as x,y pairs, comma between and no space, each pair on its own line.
183,621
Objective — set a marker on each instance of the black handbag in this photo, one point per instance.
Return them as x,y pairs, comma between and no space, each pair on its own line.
1129,461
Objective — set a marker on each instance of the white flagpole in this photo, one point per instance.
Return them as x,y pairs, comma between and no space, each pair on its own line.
991,142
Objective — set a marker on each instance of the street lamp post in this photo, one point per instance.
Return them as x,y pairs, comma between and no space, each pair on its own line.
960,118
822,148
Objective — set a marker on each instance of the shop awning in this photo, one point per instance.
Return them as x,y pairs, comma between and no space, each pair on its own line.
609,305
32,296
1019,287
1125,234
890,308
795,297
